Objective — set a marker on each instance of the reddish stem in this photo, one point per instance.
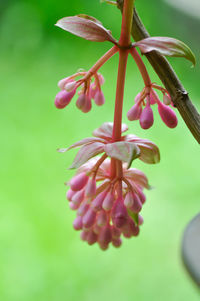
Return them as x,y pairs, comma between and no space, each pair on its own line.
124,42
101,62
123,55
127,16
141,67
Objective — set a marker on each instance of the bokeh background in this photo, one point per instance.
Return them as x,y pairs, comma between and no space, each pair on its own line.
41,256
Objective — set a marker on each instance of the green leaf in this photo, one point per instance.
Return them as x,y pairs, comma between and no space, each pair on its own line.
134,216
166,46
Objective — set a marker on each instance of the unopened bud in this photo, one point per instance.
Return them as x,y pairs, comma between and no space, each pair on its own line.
97,202
108,201
70,86
77,224
89,218
135,112
119,214
146,117
128,201
90,189
79,181
102,218
166,100
63,98
167,115
99,98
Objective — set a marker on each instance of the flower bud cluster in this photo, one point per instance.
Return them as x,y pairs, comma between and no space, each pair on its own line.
143,112
89,90
106,212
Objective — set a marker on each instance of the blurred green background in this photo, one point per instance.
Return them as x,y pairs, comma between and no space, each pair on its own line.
41,256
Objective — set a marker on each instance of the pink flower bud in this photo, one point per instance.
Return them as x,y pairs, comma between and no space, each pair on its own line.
89,218
73,206
115,232
108,201
90,189
63,82
138,97
99,98
130,229
70,86
167,115
133,228
103,246
83,208
166,100
119,214
105,236
91,238
78,197
81,101
79,181
63,98
84,235
97,202
126,230
70,194
116,242
135,112
77,224
141,195
146,117
137,205
128,201
93,90
102,218
87,105
96,229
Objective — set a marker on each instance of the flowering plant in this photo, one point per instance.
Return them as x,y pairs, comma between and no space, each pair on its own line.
106,192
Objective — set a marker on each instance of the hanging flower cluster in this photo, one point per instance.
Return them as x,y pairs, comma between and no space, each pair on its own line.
89,90
142,108
108,206
105,192
109,210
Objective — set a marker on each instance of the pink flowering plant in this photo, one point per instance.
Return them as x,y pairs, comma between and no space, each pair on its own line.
107,194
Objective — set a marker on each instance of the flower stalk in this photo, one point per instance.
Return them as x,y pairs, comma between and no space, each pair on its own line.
124,41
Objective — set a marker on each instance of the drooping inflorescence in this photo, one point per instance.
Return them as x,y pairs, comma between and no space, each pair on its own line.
108,206
105,192
105,210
